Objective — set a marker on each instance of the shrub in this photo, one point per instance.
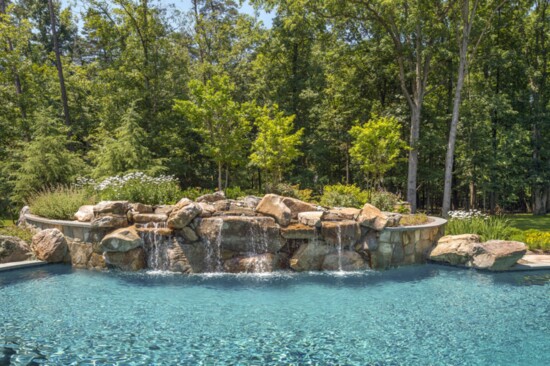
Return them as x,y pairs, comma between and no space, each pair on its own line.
341,195
60,203
289,190
140,187
487,227
236,192
194,192
385,201
535,239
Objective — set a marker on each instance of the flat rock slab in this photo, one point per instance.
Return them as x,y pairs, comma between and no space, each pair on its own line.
532,262
21,265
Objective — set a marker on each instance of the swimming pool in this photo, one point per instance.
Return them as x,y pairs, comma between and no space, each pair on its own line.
420,315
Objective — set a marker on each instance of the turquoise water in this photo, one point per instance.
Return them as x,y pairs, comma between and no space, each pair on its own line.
426,315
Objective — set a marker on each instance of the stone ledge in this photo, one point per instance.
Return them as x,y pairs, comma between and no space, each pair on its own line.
437,222
42,220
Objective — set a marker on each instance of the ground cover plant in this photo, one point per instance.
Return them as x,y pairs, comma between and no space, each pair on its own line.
60,202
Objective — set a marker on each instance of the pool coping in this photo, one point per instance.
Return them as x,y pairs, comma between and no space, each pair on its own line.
44,220
20,265
437,222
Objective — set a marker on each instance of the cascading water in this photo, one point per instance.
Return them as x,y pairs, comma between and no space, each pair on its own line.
339,249
213,257
258,245
156,254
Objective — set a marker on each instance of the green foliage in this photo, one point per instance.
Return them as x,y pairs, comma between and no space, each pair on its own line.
46,161
194,192
385,201
414,219
289,190
126,150
140,187
19,232
530,221
276,146
341,195
60,202
234,193
535,239
488,228
376,146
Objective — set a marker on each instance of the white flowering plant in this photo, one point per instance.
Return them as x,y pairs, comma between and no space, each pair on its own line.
135,187
467,215
477,222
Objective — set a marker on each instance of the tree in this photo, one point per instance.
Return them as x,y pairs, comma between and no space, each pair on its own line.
218,119
377,146
276,145
46,161
125,151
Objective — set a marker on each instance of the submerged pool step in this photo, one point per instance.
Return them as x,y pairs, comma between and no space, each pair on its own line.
20,265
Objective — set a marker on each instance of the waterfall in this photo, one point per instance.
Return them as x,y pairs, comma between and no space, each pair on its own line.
156,253
258,245
213,257
339,239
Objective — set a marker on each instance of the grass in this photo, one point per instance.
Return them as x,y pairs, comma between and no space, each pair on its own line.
59,203
7,227
528,222
414,219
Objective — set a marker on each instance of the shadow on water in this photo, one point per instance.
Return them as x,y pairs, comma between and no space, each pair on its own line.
34,273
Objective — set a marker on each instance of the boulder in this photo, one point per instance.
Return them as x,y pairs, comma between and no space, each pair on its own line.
311,218
296,206
298,231
121,240
393,219
344,213
97,262
273,205
241,233
49,245
85,213
149,217
498,255
372,217
341,233
212,197
111,207
183,214
141,208
207,210
13,249
132,260
251,264
164,209
109,221
310,256
189,235
455,249
251,201
347,260
24,211
80,253
368,242
223,205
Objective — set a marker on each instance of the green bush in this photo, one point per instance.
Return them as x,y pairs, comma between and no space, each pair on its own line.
21,233
488,228
139,187
60,203
535,239
236,193
341,195
385,201
288,190
194,192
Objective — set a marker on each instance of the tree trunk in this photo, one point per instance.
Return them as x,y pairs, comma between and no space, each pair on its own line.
449,158
59,65
413,156
540,199
220,176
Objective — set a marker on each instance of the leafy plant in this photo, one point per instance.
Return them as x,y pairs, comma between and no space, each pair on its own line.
19,232
60,203
414,219
534,239
341,195
385,201
489,228
194,192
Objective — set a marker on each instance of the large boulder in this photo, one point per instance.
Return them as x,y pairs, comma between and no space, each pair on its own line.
347,260
112,221
149,217
132,260
85,213
310,256
184,212
121,240
372,218
207,209
141,208
341,233
13,249
111,207
342,213
211,197
298,231
296,206
49,245
241,233
455,249
273,205
498,255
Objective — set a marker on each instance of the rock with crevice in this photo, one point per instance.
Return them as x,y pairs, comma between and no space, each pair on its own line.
310,256
211,197
121,240
497,255
311,218
132,260
183,214
341,233
372,217
455,249
347,260
85,213
50,245
272,205
297,206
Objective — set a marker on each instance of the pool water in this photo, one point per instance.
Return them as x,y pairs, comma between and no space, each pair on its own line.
424,315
